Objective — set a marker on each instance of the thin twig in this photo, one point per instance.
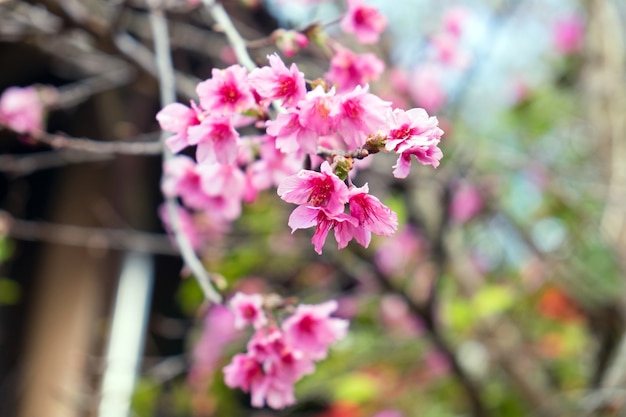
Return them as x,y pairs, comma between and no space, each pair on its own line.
73,94
168,95
90,237
27,164
101,147
142,56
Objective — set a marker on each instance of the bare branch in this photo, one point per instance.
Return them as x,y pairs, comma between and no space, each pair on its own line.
25,165
90,237
168,95
101,147
142,56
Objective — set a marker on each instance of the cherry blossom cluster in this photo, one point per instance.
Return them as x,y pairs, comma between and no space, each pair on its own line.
339,126
279,355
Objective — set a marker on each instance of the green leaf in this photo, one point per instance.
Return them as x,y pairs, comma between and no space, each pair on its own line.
492,300
145,397
460,315
190,296
357,387
10,291
6,248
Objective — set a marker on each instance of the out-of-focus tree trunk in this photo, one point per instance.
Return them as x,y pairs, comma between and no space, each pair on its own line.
605,88
604,83
67,307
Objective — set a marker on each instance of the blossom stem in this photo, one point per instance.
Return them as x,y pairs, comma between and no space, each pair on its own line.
167,86
359,153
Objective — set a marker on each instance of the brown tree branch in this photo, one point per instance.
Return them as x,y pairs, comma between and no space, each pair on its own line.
350,263
89,237
102,147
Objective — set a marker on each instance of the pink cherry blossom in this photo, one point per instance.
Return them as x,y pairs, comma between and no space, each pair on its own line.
290,41
372,215
244,372
360,115
248,309
317,189
276,82
413,132
568,34
227,91
454,19
216,138
199,227
273,166
224,185
311,329
268,370
21,109
178,118
279,358
318,111
364,21
182,179
277,393
291,136
427,155
344,225
218,331
347,69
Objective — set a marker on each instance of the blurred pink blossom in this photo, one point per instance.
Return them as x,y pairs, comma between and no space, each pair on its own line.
273,167
447,51
290,41
454,19
467,202
199,228
437,363
216,140
218,331
568,34
397,256
21,109
178,118
248,309
426,87
397,319
364,21
278,357
347,69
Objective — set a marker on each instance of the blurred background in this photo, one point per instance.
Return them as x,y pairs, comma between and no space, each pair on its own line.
502,293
